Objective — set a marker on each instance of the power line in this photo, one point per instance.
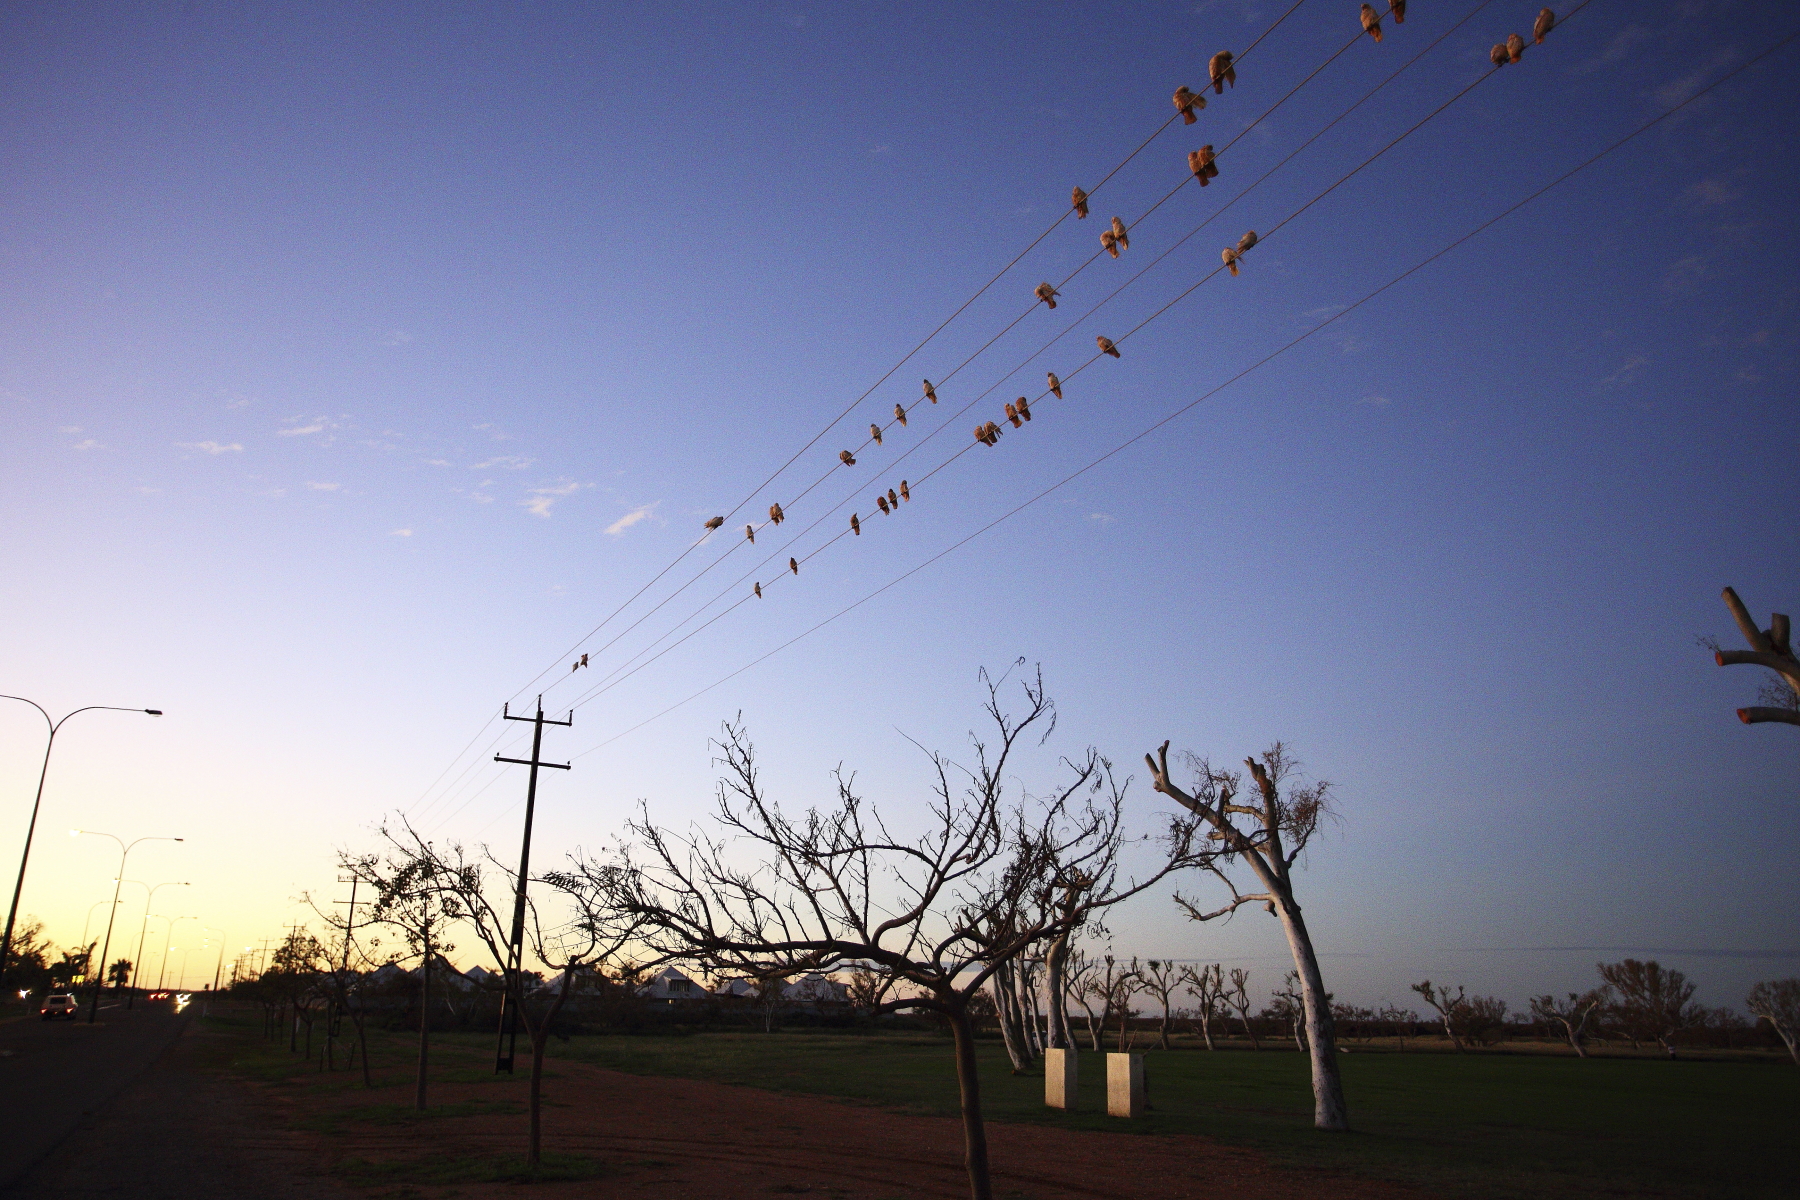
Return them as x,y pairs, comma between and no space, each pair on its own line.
1404,275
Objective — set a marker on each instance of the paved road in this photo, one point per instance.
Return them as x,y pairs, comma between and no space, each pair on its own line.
127,1108
53,1074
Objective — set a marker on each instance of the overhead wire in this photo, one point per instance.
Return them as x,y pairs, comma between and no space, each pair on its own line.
1134,439
522,691
615,677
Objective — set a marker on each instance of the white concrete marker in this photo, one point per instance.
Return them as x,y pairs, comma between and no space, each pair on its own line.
1061,1071
1124,1085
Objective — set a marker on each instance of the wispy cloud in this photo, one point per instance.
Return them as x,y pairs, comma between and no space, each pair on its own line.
1628,370
1375,401
212,447
323,487
396,337
542,498
1683,87
88,444
401,533
510,462
1102,518
68,429
437,462
631,518
302,430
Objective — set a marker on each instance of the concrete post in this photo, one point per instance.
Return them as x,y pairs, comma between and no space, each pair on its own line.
1124,1085
1061,1072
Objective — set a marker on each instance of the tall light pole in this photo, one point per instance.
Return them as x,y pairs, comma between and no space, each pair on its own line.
137,964
220,965
12,913
118,882
162,968
90,919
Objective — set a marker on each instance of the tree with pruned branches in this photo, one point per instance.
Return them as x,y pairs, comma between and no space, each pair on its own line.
1448,1008
1278,821
1207,985
1778,1002
1573,1013
1771,648
938,912
1160,978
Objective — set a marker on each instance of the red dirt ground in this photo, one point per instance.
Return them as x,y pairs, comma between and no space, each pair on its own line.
689,1138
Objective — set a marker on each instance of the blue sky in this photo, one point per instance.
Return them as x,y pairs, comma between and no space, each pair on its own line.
358,361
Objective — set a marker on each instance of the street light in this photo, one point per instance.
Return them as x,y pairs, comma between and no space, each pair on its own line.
137,964
162,968
12,913
118,882
220,965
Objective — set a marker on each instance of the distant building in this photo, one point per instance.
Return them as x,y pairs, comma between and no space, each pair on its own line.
672,986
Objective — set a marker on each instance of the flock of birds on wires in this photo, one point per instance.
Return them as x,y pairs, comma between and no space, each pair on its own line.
1115,241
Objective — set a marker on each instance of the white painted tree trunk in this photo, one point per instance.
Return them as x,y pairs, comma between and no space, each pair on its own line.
1329,1109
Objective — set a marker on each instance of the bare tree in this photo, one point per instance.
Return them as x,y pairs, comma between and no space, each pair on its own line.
1574,1012
1239,998
1769,648
1778,1003
413,898
1207,985
1160,978
1110,985
1401,1020
1290,1006
1009,1014
1654,1004
587,933
1282,820
1081,972
1447,1007
940,913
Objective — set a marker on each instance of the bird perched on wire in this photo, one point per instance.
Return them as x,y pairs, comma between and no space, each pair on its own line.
1078,198
847,458
930,392
1229,256
775,514
1201,163
1055,383
988,434
1109,242
1106,346
1247,241
1046,293
1024,407
1012,414
1186,102
1118,232
794,565
1546,21
758,588
893,500
882,504
899,414
904,493
1515,47
1371,22
1398,8
875,432
750,532
1498,55
579,663
715,522
1221,72
855,525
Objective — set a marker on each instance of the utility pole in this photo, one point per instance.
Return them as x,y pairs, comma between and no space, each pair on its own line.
342,984
514,993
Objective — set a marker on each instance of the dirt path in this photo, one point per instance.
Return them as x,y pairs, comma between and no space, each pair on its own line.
678,1137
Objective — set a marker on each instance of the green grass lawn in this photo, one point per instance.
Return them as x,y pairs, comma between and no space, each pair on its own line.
1491,1125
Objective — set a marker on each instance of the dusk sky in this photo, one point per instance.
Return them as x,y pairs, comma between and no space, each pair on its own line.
359,359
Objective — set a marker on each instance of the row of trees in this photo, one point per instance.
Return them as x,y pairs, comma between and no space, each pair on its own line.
977,909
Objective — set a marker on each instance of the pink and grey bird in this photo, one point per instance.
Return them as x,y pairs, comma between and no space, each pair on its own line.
775,513
1398,7
1106,346
1012,414
1078,198
875,432
1201,163
855,525
893,500
1247,241
1186,102
904,493
1498,55
1046,293
1055,383
1024,407
1515,47
847,458
899,414
1229,256
1546,21
715,522
930,392
1118,231
882,504
794,565
750,532
758,588
1371,22
1109,242
1221,72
